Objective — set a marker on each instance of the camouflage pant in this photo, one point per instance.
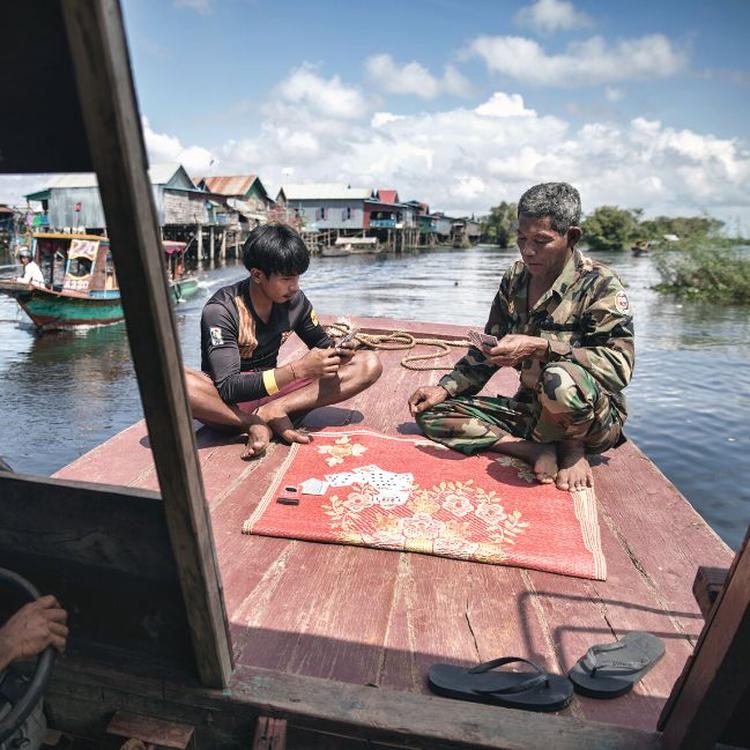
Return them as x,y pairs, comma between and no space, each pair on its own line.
568,405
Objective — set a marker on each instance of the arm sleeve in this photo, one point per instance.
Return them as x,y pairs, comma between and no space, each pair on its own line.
219,334
472,372
309,329
607,349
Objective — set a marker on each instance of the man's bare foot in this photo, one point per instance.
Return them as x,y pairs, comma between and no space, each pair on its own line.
258,437
544,463
575,470
281,425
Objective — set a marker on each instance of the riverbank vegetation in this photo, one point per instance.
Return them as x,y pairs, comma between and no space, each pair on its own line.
717,271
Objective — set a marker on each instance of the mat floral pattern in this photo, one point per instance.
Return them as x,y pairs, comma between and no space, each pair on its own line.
410,494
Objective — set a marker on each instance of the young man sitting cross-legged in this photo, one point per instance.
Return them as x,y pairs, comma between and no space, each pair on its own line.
241,388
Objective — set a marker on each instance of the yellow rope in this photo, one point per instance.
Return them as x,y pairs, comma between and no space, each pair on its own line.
395,340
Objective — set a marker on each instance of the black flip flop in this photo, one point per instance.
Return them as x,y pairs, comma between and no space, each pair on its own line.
609,670
535,690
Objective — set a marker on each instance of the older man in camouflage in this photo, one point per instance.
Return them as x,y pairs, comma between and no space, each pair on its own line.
564,322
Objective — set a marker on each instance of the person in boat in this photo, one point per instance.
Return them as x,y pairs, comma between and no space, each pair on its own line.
241,387
565,323
32,629
32,274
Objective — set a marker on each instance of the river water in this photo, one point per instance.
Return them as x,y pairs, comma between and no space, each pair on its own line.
689,401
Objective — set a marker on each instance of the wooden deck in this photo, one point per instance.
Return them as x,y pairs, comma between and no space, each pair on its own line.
380,618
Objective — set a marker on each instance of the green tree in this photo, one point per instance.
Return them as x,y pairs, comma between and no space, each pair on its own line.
611,228
498,227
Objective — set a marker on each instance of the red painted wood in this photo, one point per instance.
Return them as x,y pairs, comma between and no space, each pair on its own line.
379,617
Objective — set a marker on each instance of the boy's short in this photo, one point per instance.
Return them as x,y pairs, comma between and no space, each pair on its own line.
295,385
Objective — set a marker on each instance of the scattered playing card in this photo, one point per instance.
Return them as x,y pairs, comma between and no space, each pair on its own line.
314,487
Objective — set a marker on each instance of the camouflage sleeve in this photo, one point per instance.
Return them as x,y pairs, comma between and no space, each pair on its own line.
607,348
472,372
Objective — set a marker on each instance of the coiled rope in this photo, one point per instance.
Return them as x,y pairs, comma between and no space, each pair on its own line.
395,340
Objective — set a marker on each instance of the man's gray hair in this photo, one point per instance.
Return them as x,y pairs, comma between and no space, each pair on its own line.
558,200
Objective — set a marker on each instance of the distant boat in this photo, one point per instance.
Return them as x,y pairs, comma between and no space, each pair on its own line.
81,286
641,247
352,246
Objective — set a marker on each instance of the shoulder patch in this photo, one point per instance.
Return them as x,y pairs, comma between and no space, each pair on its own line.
314,317
621,302
217,338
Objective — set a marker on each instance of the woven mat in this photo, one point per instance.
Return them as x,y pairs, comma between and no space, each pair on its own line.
410,494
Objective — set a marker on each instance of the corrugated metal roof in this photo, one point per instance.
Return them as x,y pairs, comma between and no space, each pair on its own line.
325,191
237,184
159,174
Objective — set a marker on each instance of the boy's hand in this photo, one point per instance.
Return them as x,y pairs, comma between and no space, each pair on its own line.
346,350
318,363
31,629
426,397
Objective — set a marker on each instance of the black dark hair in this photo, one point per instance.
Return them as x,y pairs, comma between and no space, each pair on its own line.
275,248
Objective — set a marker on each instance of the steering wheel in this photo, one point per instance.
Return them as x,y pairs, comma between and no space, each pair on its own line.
22,707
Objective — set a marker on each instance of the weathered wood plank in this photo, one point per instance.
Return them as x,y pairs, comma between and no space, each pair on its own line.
153,731
270,734
717,679
707,586
101,64
344,709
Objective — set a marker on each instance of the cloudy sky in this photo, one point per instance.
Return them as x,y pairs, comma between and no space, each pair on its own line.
459,103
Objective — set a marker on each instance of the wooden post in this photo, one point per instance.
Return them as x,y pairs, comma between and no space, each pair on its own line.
705,699
199,241
212,242
113,127
223,250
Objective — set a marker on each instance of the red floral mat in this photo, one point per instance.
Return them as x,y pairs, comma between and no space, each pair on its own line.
410,494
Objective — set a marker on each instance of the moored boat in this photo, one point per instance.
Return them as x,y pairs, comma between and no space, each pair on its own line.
352,246
81,287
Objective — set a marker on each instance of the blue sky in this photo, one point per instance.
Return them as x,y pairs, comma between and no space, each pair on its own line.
460,104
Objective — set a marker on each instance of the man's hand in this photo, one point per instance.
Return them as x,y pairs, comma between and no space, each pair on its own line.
318,363
514,348
31,629
346,350
426,397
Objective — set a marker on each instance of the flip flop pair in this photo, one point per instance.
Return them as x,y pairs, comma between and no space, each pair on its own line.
607,670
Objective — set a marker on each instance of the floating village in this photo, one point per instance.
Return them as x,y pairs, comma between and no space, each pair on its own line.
370,589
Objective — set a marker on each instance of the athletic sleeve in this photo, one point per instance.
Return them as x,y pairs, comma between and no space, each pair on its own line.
219,336
309,329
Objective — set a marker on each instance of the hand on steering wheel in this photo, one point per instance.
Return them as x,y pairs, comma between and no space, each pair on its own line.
23,706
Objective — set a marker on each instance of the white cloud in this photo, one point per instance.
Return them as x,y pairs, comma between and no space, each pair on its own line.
552,15
465,160
162,147
204,7
413,78
612,94
504,105
328,97
590,62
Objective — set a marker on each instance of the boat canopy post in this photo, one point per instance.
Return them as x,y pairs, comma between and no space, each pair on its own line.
113,126
713,694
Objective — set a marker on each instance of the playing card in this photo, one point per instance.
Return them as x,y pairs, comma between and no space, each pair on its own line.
481,340
314,486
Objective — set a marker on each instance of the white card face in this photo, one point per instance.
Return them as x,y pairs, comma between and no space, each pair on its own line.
314,487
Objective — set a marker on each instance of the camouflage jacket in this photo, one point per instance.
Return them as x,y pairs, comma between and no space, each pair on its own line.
585,316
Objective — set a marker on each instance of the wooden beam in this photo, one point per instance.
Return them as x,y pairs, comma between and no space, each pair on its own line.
113,126
712,687
270,734
707,586
83,694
